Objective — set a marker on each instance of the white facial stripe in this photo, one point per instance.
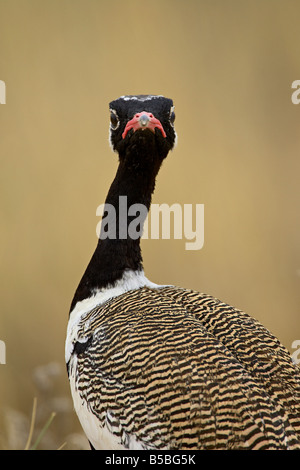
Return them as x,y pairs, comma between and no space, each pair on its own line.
109,140
140,98
175,140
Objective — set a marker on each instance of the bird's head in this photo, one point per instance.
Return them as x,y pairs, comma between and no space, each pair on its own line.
142,122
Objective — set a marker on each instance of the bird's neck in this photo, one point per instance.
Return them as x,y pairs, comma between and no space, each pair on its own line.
126,206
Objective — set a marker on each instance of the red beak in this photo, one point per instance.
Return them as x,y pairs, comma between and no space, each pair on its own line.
143,121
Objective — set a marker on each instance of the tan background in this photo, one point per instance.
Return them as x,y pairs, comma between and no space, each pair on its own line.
229,66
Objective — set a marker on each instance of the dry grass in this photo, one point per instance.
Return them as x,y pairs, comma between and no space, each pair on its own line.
48,425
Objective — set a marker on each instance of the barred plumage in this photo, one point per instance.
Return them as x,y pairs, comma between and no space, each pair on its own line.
161,367
181,370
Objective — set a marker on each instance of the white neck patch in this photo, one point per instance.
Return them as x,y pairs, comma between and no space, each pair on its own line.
130,280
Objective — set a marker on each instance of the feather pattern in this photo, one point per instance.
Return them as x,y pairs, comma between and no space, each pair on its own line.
171,368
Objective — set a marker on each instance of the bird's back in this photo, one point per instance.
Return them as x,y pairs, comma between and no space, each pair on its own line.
170,368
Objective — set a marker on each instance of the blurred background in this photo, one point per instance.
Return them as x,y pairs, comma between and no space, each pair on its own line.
228,66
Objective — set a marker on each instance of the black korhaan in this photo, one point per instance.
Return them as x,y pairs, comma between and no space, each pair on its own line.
161,367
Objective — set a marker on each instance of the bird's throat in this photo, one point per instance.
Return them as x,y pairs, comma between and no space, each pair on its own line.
126,207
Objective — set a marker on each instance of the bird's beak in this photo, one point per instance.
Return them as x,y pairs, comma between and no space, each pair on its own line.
141,121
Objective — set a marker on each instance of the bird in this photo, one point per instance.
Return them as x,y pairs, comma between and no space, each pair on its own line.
161,367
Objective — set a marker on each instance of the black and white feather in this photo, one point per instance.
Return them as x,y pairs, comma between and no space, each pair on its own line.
161,367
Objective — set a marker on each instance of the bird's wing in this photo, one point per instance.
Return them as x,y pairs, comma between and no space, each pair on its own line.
252,345
174,369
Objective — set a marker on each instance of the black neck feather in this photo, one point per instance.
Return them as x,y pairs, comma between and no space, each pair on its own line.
135,179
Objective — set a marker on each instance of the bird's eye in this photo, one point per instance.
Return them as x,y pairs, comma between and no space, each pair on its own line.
172,115
114,120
